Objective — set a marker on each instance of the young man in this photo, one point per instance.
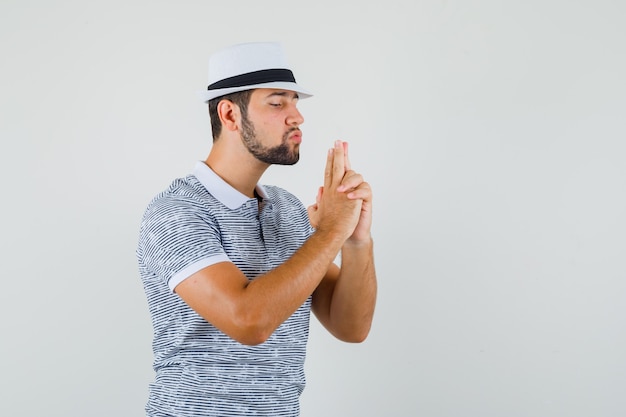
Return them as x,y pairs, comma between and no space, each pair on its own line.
232,268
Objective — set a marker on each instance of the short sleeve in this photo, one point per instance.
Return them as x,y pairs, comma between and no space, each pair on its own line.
178,238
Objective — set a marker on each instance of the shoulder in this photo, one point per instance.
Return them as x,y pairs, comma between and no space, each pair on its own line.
288,209
182,191
184,197
279,195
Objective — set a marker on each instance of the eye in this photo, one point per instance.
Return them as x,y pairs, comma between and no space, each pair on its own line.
275,104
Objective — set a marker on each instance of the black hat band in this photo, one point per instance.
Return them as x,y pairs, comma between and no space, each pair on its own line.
254,77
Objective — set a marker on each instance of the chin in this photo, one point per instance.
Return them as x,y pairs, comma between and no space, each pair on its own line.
289,162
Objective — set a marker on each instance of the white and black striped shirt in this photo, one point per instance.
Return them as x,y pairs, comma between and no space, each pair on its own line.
198,221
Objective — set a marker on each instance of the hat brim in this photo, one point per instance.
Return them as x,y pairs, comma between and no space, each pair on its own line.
206,95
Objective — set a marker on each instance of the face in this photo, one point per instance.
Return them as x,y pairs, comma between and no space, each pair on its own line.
270,131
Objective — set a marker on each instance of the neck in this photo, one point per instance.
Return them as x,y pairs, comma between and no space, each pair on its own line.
237,167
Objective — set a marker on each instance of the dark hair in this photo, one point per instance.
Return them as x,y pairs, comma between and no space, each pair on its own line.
240,98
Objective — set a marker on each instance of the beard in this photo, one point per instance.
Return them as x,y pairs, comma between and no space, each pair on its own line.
279,155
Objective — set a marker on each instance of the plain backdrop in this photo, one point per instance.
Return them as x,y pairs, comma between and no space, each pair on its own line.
492,132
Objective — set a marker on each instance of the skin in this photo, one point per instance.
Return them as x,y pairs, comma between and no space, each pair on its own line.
343,298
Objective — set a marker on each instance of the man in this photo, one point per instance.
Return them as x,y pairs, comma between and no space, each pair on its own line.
231,268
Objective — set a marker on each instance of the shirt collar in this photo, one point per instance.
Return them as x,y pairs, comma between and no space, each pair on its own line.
220,189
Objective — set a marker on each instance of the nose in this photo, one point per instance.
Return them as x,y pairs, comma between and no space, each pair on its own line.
295,117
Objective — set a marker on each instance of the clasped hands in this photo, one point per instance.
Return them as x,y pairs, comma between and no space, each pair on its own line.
344,203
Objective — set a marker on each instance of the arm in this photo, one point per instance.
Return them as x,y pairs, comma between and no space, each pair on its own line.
250,311
345,299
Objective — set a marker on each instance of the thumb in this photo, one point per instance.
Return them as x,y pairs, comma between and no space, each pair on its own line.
313,215
312,210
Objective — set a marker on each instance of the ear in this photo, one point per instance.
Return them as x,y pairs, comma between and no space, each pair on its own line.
229,114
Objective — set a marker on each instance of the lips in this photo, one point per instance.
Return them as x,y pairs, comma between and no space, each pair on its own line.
296,137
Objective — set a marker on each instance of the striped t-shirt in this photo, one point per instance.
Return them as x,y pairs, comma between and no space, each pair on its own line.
198,221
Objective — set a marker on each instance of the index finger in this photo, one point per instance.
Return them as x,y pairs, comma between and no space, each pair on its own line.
339,167
346,159
328,170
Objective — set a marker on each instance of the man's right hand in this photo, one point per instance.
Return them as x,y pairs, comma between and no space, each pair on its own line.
333,211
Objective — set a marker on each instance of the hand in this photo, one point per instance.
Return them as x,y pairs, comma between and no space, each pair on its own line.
357,188
313,210
351,185
333,211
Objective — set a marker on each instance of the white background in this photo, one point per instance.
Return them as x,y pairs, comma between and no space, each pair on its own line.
492,133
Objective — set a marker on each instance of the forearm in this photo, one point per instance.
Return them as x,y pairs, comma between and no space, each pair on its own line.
270,299
354,297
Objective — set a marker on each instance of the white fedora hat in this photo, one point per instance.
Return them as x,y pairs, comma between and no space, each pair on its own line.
247,66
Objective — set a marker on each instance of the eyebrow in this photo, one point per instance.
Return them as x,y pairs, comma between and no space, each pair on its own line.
294,96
